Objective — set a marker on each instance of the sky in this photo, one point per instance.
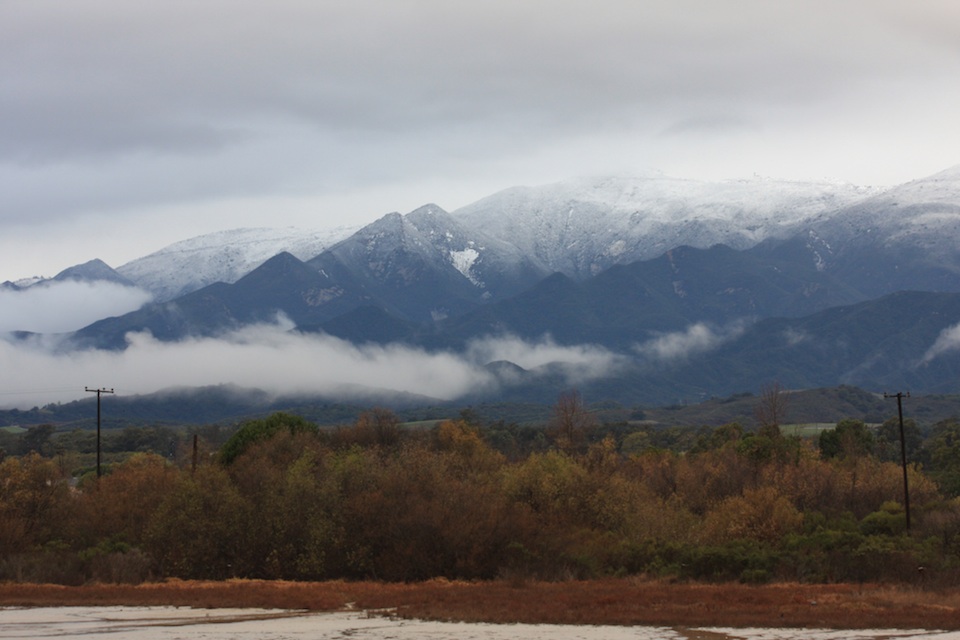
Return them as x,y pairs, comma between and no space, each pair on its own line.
127,126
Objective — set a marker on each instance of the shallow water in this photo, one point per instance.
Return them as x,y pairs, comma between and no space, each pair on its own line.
171,623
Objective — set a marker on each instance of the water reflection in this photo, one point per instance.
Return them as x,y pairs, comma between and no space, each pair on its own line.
170,623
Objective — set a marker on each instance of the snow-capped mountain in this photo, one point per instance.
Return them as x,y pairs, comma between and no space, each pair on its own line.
427,264
91,271
903,238
745,271
583,226
224,256
578,227
922,213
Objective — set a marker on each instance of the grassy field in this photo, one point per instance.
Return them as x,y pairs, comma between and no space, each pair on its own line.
14,430
807,430
613,601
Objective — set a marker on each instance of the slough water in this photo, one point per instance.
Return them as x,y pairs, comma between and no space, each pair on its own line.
169,623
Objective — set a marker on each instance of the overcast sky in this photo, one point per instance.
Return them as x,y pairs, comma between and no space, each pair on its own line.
125,126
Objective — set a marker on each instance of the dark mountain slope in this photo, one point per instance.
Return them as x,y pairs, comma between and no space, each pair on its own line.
426,265
628,303
283,284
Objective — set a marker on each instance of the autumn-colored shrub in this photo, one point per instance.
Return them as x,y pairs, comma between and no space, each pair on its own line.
377,501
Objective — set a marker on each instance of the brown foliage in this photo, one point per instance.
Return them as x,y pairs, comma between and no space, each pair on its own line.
764,515
375,502
119,506
571,422
35,504
771,409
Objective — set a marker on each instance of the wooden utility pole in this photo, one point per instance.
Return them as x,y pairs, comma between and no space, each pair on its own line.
903,450
99,392
196,453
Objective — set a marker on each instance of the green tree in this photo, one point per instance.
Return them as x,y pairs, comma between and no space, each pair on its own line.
37,439
718,438
259,430
200,529
849,439
888,439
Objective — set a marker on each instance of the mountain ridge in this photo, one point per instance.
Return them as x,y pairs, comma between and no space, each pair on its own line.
559,268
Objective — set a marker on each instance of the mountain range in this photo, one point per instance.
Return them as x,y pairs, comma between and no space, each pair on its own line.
697,288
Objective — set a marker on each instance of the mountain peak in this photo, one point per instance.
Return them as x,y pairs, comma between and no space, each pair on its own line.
224,256
92,271
428,209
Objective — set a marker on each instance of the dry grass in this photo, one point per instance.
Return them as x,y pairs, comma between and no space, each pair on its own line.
621,601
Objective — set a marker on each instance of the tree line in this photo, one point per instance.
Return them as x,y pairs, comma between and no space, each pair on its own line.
282,498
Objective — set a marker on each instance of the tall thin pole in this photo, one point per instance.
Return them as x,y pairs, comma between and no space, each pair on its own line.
99,392
903,450
196,452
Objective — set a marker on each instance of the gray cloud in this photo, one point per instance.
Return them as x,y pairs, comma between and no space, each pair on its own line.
111,108
272,358
794,336
709,125
177,78
697,338
948,340
580,363
57,307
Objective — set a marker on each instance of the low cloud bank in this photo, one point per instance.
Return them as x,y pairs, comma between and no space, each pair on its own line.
697,338
57,307
580,362
272,358
948,340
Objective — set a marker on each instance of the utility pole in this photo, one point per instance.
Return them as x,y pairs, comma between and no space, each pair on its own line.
99,392
903,450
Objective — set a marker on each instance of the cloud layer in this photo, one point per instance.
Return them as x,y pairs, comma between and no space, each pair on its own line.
57,307
272,358
696,339
948,340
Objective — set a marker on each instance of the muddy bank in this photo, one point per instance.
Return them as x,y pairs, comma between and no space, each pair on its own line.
597,602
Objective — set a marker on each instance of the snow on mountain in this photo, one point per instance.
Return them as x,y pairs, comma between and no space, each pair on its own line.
463,262
24,283
92,271
429,263
923,214
583,226
224,256
495,265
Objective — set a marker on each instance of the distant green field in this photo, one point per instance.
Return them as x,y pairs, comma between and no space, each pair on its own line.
808,430
15,430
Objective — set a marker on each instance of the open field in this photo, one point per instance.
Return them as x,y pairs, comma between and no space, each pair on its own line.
597,602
